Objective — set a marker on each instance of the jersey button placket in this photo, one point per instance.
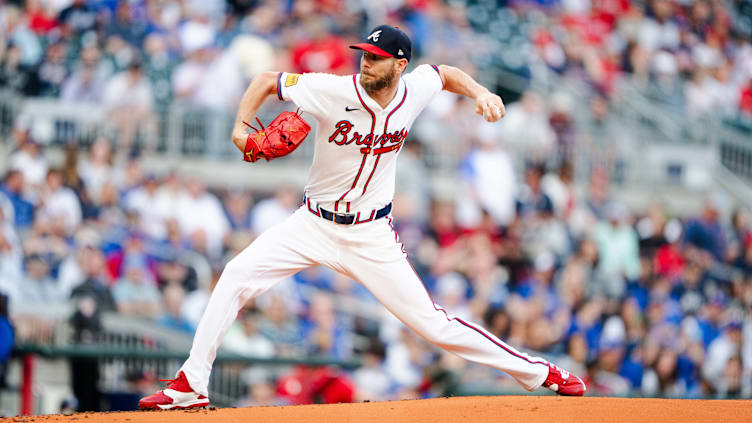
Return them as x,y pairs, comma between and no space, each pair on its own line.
379,129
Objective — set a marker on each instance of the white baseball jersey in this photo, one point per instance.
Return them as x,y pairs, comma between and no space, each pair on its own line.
357,141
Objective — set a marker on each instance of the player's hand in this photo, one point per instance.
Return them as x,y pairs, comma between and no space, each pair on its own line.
490,106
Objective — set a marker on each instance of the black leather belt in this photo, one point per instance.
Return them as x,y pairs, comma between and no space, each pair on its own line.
349,219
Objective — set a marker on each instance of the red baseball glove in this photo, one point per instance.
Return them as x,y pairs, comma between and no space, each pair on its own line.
283,135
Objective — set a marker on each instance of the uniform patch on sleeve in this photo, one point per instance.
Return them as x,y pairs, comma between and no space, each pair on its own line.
292,79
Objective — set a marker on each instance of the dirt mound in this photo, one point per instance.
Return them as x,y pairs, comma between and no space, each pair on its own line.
546,409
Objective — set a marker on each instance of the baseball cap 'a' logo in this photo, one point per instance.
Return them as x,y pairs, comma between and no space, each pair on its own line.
375,36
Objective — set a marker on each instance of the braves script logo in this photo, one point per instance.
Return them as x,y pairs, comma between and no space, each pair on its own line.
341,133
375,36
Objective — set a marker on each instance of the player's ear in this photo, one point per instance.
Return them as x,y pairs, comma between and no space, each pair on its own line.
401,65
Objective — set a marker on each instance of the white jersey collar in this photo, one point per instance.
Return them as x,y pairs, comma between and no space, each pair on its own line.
370,102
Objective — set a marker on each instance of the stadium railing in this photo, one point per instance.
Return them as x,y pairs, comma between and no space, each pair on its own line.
121,365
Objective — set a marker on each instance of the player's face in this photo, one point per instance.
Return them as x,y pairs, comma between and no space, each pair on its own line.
377,72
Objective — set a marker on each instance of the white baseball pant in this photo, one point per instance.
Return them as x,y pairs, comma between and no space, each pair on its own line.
368,252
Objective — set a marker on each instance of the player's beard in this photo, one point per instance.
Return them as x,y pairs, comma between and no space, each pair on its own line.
379,83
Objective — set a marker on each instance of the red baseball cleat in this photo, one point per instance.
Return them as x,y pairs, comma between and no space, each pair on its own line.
564,383
178,394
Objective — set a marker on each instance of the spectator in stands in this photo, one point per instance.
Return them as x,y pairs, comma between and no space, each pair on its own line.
326,334
371,380
221,82
22,209
659,30
173,295
129,102
661,379
720,352
739,238
665,85
244,337
169,193
7,337
96,170
86,322
406,356
174,272
135,293
37,289
262,393
559,187
605,136
618,251
125,25
14,76
271,210
202,219
706,232
187,77
17,31
84,86
610,353
159,66
526,127
745,99
59,205
237,205
41,18
281,327
54,70
71,272
11,256
532,202
77,18
96,283
30,160
72,179
46,240
142,200
319,50
488,173
700,100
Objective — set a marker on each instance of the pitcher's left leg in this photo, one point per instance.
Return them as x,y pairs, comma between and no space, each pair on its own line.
384,269
400,290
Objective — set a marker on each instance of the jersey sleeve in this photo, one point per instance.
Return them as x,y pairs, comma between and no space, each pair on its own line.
425,82
312,92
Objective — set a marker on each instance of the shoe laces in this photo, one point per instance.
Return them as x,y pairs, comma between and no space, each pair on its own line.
170,382
564,373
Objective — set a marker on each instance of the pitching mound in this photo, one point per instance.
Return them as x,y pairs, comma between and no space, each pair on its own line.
467,409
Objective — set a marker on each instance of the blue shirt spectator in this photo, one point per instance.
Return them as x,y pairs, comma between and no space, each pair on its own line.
7,334
23,210
707,233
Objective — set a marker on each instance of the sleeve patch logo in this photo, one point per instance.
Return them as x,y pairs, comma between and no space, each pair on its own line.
291,79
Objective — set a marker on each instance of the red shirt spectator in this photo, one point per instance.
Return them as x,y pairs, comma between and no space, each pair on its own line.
327,54
669,261
745,100
39,20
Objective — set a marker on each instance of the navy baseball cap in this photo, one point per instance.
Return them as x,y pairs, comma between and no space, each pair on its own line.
387,41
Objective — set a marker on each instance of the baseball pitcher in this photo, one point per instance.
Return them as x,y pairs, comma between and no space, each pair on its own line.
344,222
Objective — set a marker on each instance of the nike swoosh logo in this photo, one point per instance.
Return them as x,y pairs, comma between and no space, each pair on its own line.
347,109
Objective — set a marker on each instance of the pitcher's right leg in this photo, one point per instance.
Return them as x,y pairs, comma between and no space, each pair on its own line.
276,254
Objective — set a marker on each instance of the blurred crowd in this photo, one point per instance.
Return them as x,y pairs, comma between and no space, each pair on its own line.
136,56
649,303
693,57
652,302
